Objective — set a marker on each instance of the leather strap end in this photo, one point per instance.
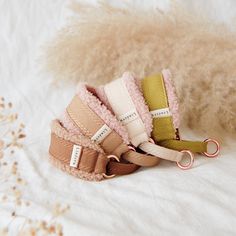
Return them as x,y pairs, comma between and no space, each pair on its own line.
141,159
118,168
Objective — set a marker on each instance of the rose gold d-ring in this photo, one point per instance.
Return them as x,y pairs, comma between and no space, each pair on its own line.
111,157
131,148
151,140
211,155
189,165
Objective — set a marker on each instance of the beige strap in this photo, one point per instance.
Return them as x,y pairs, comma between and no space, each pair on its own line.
141,159
89,159
90,123
161,152
123,106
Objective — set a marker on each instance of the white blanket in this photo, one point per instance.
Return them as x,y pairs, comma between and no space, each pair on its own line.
36,197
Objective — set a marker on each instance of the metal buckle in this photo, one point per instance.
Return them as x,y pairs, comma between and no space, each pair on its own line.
214,154
111,157
188,166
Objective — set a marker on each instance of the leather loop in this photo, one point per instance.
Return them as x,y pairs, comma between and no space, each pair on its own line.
89,122
164,132
194,146
90,160
119,168
161,152
116,91
141,159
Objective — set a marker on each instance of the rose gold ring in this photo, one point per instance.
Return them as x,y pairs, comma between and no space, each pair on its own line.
214,154
131,148
151,140
189,165
111,157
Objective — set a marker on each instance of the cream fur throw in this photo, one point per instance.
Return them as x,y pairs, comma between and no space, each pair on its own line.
102,42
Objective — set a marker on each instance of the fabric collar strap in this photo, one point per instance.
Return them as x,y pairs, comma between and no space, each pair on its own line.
164,132
125,110
78,156
91,124
128,104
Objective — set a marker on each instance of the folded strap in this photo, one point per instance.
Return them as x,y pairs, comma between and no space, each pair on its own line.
161,152
194,146
119,168
125,110
123,106
164,132
86,159
141,159
155,95
97,130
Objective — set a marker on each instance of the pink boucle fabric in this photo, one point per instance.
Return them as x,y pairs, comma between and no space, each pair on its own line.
134,90
75,172
138,100
85,93
69,124
60,131
172,97
102,96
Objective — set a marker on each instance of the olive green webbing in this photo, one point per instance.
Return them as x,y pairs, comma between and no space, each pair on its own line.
154,94
163,129
194,146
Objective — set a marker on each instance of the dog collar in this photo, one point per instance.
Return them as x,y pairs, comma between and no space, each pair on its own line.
126,101
80,157
160,95
92,118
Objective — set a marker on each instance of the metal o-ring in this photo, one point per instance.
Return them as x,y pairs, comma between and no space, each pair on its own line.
131,148
189,165
214,154
151,140
111,157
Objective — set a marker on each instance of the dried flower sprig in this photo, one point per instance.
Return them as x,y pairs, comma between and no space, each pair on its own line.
11,139
11,133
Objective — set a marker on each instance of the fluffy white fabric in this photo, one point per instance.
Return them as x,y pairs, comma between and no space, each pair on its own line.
158,201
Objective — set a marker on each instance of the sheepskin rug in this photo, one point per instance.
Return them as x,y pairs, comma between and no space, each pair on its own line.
102,42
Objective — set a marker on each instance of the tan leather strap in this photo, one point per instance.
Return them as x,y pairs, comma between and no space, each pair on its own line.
141,159
90,124
90,160
119,168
